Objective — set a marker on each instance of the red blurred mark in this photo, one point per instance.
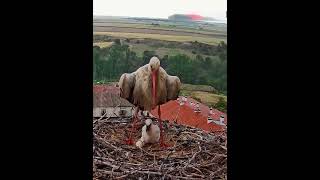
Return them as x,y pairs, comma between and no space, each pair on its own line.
195,17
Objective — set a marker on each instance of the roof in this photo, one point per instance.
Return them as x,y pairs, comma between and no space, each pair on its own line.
185,115
108,96
106,88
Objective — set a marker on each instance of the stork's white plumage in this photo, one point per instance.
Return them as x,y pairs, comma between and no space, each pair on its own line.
150,134
148,87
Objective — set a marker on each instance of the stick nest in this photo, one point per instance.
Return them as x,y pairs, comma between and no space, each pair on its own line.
193,153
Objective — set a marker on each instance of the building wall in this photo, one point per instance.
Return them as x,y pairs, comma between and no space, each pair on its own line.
109,110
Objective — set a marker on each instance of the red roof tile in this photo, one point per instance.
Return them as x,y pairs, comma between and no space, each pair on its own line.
106,88
185,115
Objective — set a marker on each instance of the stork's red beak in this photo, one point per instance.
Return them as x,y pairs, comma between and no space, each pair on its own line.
154,86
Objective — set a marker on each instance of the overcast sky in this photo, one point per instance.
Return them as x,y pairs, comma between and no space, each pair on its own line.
160,8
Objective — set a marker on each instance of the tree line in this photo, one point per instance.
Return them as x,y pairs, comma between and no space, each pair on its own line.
110,62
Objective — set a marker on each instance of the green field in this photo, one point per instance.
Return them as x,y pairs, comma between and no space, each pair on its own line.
162,51
204,88
103,44
209,99
162,27
203,93
207,40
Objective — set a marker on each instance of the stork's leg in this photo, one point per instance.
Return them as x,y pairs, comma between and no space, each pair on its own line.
162,143
133,128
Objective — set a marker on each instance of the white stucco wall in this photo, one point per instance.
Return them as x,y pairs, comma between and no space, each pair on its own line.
110,110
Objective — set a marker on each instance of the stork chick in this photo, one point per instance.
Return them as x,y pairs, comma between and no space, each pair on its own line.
150,134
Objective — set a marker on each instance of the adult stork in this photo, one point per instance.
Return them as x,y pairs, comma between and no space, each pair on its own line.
148,87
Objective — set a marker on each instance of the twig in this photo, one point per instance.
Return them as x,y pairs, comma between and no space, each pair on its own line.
201,138
194,155
197,170
123,176
200,157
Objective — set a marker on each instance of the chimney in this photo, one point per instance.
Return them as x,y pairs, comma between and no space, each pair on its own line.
210,112
185,99
221,119
197,109
209,119
180,101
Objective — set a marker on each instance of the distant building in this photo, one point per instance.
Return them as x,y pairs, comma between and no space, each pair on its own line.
106,99
211,120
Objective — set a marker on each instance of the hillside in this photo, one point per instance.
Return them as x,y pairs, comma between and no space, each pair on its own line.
204,65
194,51
189,17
